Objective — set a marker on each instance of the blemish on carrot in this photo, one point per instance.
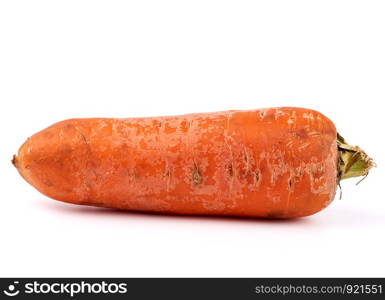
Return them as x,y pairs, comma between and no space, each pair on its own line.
308,116
47,182
230,170
196,177
290,184
302,133
167,172
278,113
257,176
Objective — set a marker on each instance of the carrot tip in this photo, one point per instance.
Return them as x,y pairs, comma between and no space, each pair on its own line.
14,161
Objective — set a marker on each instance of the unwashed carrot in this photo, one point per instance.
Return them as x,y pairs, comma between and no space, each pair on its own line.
272,163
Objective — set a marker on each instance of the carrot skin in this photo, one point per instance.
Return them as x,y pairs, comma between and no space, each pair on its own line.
270,163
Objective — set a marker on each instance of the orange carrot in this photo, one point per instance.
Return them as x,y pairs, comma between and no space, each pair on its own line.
272,163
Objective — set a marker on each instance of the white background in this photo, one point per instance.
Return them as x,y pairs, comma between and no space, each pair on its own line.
65,59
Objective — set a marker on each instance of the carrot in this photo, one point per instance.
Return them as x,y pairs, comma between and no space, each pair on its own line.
271,163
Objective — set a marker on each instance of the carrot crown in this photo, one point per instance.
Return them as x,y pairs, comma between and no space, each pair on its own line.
353,162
